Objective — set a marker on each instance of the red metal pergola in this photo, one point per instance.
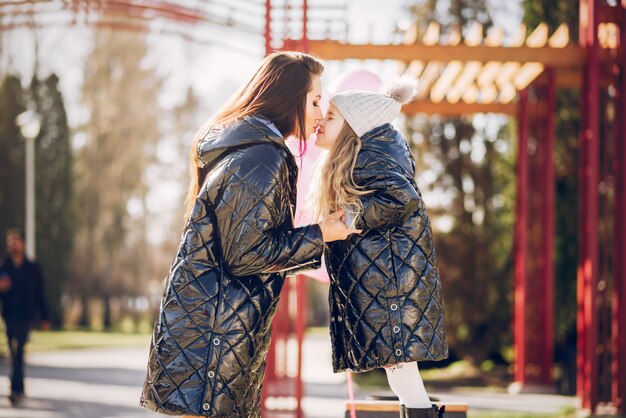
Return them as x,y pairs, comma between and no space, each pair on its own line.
536,68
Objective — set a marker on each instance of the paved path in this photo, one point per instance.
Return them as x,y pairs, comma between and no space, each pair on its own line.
105,383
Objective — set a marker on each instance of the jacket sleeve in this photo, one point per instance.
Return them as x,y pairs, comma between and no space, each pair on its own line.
393,198
248,215
40,294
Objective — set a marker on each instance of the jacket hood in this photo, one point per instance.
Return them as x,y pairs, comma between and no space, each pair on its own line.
249,131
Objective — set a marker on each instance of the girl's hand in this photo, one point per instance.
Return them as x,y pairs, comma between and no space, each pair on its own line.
334,228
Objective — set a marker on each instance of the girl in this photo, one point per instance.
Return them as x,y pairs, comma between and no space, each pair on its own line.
386,308
207,356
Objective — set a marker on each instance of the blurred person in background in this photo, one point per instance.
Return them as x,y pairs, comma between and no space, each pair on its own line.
22,293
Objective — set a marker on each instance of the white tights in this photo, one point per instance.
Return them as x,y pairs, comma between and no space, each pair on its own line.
405,381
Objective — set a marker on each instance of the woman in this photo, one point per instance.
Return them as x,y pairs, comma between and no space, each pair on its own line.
207,356
386,306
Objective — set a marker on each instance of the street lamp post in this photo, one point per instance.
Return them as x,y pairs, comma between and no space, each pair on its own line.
29,123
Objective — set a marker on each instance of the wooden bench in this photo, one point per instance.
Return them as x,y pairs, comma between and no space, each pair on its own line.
391,409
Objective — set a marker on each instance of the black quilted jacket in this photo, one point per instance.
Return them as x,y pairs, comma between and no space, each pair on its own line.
385,296
207,356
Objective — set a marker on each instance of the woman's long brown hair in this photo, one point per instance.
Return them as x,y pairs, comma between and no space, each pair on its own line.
276,91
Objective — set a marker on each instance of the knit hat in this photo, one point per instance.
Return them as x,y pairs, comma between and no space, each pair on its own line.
366,110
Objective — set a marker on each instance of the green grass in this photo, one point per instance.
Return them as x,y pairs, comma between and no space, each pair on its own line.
565,413
64,340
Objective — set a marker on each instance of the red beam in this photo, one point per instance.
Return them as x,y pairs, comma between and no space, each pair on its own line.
587,318
268,27
547,267
521,229
301,322
618,367
305,27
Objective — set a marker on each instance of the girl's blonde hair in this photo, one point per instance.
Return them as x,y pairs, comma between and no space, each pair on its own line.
336,188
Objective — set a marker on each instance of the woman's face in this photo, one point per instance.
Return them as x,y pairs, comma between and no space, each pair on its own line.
313,112
329,129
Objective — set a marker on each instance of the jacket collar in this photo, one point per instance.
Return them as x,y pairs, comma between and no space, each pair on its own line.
249,131
387,130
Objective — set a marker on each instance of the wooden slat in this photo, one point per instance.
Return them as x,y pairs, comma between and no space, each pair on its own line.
457,109
467,77
539,37
520,37
504,81
570,57
474,34
488,73
391,406
414,69
470,95
430,74
560,37
454,36
495,37
431,36
445,81
488,94
526,74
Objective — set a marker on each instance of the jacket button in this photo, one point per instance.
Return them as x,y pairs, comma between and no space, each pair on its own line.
394,307
216,341
398,352
206,406
211,374
339,319
396,329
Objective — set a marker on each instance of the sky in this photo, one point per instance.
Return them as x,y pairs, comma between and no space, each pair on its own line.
214,71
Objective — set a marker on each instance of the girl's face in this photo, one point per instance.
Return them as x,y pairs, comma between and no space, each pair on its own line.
313,111
329,129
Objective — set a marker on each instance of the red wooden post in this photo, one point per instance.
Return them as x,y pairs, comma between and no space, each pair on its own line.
521,224
547,245
587,361
301,321
268,27
305,26
618,368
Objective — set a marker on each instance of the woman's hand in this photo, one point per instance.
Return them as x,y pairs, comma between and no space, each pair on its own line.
5,284
334,228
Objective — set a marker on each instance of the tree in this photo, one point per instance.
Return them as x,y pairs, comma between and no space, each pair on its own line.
121,94
12,177
53,184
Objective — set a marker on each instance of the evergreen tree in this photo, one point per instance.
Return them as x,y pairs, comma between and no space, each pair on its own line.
12,154
53,184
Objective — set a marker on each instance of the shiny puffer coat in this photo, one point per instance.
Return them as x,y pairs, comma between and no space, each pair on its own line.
386,305
212,333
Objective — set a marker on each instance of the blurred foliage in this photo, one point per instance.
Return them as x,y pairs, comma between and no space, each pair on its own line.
117,145
55,210
12,150
53,178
